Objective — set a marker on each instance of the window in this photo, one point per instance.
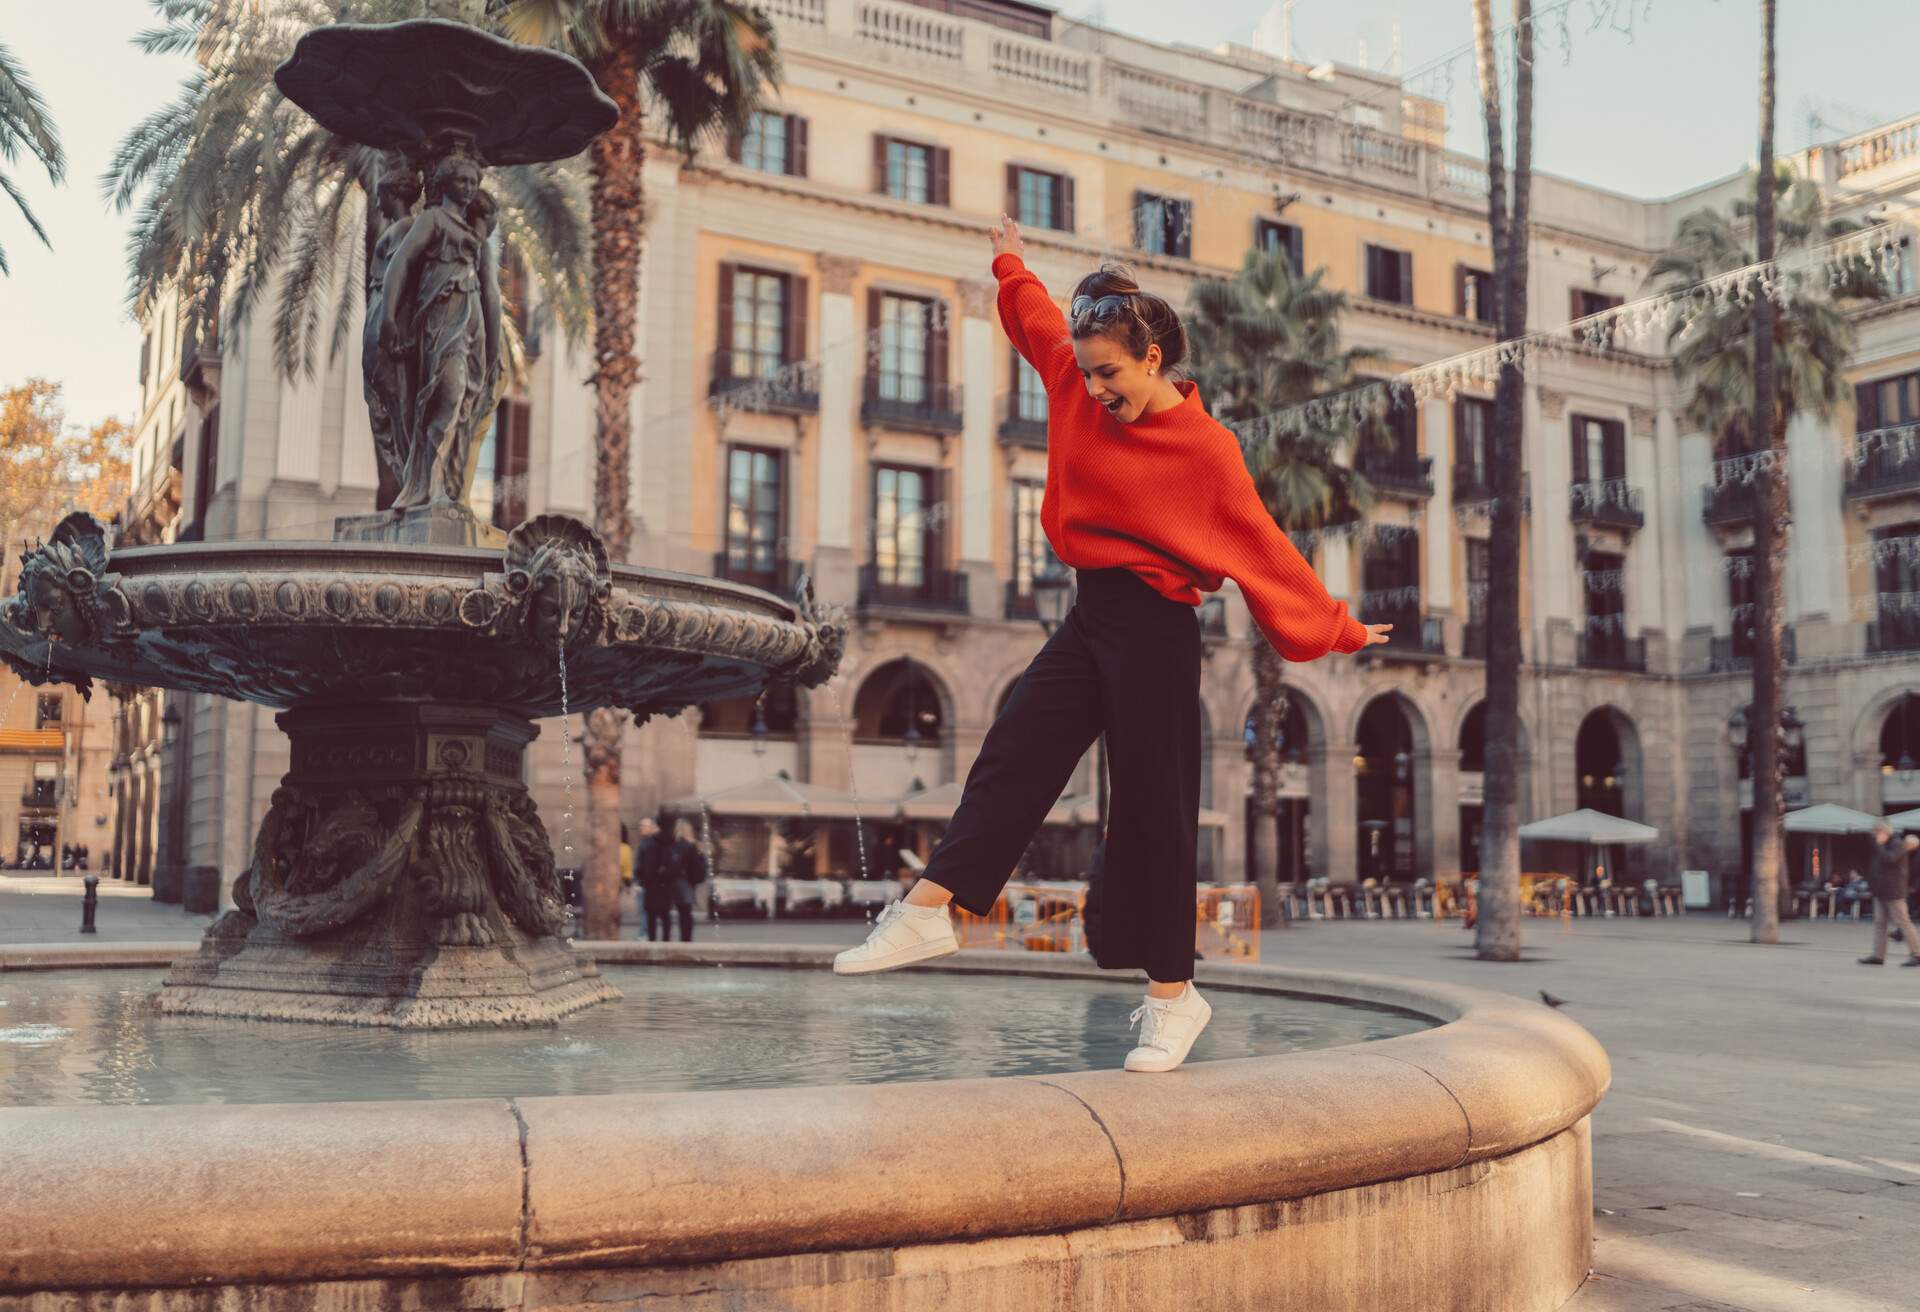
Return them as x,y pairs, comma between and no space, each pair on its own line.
1587,303
901,499
1886,403
46,711
911,171
1900,275
759,342
1473,294
1473,440
1040,200
773,143
45,788
755,509
1390,579
1599,449
1163,225
510,435
905,342
1606,599
1391,440
1030,392
1032,553
1272,237
1390,275
1479,571
1740,601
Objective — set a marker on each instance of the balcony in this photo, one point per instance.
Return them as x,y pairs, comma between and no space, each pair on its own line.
1396,473
1470,484
1886,463
780,579
1607,651
1729,505
43,796
1731,655
938,590
763,384
1607,503
1021,605
1023,422
910,403
1894,631
1473,640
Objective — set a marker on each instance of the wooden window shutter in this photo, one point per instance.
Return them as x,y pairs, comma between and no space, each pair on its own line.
937,346
1140,216
935,537
1581,474
941,163
1063,204
735,139
1462,457
1866,407
796,145
872,362
1460,276
1404,269
723,326
879,163
1296,249
1615,446
795,345
1183,239
1573,304
1013,191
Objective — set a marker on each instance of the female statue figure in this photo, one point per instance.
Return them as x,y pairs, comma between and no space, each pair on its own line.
441,316
387,377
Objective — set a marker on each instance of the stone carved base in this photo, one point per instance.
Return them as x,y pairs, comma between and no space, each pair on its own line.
426,526
401,878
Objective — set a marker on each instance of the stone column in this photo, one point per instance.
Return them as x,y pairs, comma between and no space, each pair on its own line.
1336,803
1436,548
1441,823
975,484
1555,594
841,356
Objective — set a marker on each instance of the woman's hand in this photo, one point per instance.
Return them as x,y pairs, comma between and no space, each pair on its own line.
1377,634
1006,238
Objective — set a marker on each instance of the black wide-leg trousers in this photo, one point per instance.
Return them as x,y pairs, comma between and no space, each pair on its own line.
1127,661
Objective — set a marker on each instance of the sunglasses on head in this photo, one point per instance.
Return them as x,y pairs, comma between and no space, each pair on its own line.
1104,310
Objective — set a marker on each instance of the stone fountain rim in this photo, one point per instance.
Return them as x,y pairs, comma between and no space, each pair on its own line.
233,1194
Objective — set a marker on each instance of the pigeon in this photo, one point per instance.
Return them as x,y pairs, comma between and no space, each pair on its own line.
1550,1000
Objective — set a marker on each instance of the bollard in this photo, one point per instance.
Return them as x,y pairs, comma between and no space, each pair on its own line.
87,906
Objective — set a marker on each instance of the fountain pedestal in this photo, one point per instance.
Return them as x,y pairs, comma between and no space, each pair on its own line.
402,877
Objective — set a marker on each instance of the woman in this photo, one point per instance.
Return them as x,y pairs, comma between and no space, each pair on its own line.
1150,501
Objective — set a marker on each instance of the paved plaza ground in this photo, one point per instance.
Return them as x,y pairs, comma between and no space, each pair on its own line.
1760,1148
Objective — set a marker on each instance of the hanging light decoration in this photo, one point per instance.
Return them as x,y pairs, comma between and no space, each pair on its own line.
759,730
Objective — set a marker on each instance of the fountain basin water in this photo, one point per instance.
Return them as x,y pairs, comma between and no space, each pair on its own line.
1442,1169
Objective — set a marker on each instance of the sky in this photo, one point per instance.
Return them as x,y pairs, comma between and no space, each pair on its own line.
1661,108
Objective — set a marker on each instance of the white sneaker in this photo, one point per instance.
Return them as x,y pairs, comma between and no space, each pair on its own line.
1171,1025
902,935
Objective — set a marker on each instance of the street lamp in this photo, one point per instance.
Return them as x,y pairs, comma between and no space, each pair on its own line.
1052,594
170,726
1400,763
759,729
1792,730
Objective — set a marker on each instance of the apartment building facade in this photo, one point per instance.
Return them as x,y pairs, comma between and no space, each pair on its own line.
827,389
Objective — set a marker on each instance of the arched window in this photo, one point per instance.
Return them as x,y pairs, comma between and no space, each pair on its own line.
1473,741
896,696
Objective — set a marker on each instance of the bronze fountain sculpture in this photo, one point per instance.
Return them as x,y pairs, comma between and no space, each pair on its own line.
402,875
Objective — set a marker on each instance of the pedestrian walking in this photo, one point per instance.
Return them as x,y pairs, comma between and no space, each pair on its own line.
689,871
653,872
1149,500
1887,877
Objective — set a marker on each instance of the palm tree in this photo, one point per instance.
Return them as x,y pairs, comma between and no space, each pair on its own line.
1752,371
1266,339
701,66
1497,934
242,197
25,125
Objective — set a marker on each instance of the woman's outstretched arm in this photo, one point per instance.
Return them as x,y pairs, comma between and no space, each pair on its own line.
1033,322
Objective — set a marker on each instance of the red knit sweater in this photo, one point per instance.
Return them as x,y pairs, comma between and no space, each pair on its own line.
1167,496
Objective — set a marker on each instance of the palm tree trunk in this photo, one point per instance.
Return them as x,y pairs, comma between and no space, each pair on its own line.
1497,933
619,224
1269,710
1763,725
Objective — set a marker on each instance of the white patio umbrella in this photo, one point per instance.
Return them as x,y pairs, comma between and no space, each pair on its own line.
1905,819
773,798
1826,820
1589,828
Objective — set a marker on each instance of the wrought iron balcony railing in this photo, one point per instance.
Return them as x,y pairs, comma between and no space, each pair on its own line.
1023,422
1733,653
1607,651
747,380
1729,503
779,577
935,589
911,402
1886,463
1611,502
1397,473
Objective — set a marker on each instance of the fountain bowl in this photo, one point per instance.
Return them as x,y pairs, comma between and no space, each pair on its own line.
1440,1170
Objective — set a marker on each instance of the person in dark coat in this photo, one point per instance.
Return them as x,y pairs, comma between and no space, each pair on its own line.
1888,878
653,869
688,866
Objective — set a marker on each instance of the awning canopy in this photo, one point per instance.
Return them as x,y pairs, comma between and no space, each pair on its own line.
1830,818
1905,819
778,797
935,803
1589,826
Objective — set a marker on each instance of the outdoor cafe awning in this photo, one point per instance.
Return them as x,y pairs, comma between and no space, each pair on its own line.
935,803
1589,826
1905,819
1830,818
778,797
